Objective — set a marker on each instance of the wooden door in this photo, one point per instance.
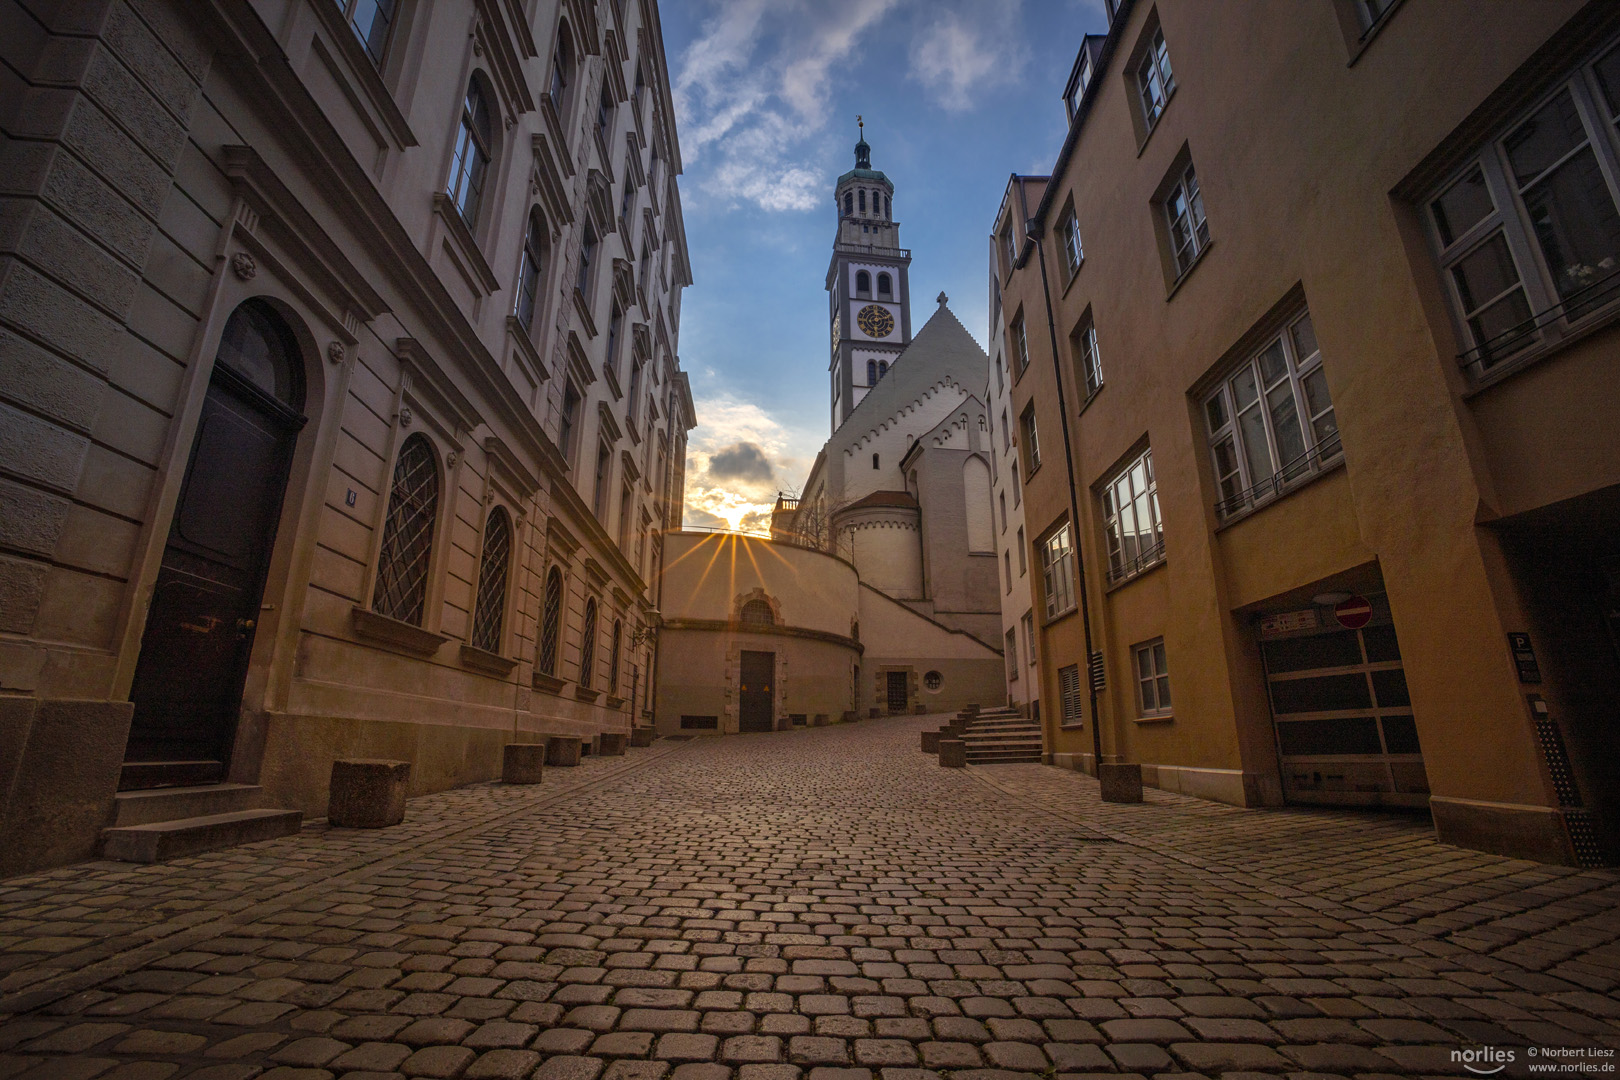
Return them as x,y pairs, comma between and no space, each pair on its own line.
199,628
758,712
899,696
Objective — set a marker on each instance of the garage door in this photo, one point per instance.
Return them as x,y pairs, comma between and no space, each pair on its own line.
1343,718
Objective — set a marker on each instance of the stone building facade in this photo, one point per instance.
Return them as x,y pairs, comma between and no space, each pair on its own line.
767,635
1314,367
341,412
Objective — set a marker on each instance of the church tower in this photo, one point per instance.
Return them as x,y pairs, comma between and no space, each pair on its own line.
868,285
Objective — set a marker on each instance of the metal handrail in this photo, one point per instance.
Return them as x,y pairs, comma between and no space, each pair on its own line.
1148,556
1302,466
1583,301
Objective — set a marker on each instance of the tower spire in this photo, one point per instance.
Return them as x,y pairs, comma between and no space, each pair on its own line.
863,152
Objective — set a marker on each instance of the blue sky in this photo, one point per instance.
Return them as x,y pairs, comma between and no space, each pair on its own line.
957,94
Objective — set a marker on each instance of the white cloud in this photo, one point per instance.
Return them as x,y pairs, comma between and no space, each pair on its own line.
726,423
962,52
752,92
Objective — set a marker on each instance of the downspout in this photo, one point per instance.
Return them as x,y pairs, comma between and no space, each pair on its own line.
1074,501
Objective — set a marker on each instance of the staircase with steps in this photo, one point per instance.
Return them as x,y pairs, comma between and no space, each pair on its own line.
1001,737
166,823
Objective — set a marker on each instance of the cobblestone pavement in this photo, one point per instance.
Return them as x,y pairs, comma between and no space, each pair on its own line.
828,903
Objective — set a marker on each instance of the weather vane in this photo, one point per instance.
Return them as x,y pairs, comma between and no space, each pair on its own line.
860,124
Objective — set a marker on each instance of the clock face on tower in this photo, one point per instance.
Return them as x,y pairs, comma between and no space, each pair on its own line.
875,321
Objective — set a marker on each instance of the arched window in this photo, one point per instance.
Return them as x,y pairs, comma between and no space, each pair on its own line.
874,461
490,611
604,115
885,285
863,200
615,328
259,346
530,269
551,621
587,255
587,644
613,657
883,368
849,202
472,155
758,612
562,67
871,373
863,283
885,207
407,541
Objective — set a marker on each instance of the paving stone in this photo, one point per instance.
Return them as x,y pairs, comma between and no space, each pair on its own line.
507,1065
309,1053
1228,1057
622,1044
372,1057
570,1067
707,1071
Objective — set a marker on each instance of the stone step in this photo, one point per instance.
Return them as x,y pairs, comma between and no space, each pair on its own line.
1034,728
159,841
1032,758
170,804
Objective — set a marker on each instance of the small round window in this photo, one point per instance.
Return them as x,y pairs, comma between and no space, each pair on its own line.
933,681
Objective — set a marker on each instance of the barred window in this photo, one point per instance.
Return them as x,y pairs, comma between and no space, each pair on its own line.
1069,694
587,644
758,613
407,542
490,611
551,621
613,656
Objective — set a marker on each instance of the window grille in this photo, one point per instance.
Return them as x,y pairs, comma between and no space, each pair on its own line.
758,613
407,544
587,645
551,622
1069,693
491,607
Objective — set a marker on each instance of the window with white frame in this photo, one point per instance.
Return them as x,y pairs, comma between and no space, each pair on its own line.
1073,251
1020,345
1069,695
1028,621
1057,572
1152,678
1184,213
1528,233
1131,523
1271,422
472,154
1032,444
1007,245
1082,79
1154,81
530,268
1087,361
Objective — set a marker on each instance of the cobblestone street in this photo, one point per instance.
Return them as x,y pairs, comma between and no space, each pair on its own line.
826,899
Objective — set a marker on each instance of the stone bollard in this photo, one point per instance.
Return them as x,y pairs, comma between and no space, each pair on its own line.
873,713
613,743
952,753
848,717
919,710
930,742
367,793
563,750
521,762
821,719
643,736
1121,782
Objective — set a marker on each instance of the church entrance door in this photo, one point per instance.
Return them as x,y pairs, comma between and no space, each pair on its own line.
898,696
758,681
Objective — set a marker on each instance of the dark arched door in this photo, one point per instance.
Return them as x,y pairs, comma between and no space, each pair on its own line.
205,606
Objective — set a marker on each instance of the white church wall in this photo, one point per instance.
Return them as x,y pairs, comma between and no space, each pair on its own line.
898,638
981,530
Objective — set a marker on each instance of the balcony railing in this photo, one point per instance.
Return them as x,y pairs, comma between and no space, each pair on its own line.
1577,305
1122,567
1292,473
873,249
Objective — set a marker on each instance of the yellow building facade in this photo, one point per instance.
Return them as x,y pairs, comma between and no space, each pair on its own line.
1313,359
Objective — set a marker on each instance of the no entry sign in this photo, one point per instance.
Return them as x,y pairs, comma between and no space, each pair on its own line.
1353,613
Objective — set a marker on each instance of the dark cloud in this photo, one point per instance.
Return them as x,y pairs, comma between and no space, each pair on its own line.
755,521
702,519
742,461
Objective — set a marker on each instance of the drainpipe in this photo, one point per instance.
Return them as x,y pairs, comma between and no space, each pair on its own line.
1074,500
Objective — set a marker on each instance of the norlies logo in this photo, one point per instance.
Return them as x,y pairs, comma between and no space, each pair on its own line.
1483,1061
